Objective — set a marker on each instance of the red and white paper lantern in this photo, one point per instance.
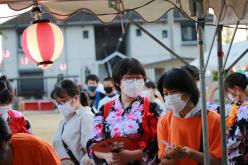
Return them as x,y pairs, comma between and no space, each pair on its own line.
6,53
24,60
62,66
42,43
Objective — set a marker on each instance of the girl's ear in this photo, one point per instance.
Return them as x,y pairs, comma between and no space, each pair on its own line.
77,97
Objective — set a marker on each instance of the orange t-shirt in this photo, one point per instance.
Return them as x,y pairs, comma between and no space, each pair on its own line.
30,150
187,132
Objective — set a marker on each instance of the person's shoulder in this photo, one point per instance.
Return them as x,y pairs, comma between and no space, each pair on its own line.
27,140
166,117
213,118
213,115
16,113
102,95
85,111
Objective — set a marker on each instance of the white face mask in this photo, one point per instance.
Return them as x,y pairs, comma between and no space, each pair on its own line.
66,109
174,102
132,89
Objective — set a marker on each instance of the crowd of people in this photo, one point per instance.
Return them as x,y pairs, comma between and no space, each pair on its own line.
132,121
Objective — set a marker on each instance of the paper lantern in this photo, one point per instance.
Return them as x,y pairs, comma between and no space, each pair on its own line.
62,66
6,53
24,60
42,43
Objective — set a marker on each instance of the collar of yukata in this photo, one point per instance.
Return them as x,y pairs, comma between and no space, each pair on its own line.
119,104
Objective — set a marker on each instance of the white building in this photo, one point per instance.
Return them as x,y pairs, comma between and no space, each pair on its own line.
88,43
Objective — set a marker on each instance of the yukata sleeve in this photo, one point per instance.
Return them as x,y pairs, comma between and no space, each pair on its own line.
97,134
151,148
238,136
213,106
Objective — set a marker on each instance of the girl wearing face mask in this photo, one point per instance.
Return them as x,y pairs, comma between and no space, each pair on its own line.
128,116
179,131
16,120
236,86
75,128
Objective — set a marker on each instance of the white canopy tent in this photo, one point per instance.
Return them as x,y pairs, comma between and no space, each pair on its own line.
237,49
227,12
149,10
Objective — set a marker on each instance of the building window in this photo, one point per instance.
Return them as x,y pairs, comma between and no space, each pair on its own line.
164,34
188,32
138,32
85,34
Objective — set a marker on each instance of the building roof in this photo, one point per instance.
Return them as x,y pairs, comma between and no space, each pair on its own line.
167,63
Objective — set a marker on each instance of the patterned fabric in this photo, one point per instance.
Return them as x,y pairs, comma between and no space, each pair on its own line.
16,120
237,140
215,107
124,123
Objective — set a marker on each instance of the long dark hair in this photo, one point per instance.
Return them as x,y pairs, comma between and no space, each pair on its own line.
6,91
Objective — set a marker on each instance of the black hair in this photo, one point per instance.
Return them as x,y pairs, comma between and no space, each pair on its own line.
108,79
65,88
84,99
92,77
150,84
236,79
5,132
179,79
126,66
193,71
6,91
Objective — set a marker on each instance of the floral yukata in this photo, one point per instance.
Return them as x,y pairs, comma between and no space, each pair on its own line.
127,123
237,140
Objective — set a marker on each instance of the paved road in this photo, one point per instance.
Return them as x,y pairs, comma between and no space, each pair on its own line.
44,123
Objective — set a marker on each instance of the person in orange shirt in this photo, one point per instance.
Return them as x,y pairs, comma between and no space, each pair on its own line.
24,149
179,131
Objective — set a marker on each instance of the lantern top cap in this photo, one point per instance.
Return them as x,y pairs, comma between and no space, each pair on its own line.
36,8
41,21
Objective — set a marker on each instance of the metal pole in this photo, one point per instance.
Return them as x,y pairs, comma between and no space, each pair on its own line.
220,55
156,40
229,49
201,19
215,33
170,17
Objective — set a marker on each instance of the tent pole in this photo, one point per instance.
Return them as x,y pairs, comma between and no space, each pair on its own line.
229,49
201,19
215,33
220,55
156,40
